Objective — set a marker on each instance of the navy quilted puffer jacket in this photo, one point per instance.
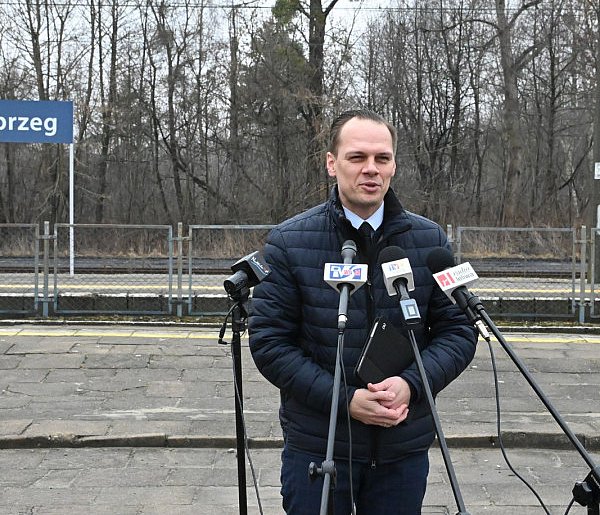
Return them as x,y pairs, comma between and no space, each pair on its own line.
293,329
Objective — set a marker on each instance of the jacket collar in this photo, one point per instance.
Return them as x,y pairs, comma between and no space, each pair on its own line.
395,218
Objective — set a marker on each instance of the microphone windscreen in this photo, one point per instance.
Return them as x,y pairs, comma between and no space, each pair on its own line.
439,259
391,254
349,245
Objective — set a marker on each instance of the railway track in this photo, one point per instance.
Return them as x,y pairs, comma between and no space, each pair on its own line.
488,267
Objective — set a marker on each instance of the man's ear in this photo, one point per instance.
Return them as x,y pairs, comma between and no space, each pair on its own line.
330,161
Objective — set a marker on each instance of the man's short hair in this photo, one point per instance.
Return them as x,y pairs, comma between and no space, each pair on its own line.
363,114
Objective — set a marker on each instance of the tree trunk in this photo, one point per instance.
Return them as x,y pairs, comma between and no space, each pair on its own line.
316,177
108,106
595,189
235,151
512,136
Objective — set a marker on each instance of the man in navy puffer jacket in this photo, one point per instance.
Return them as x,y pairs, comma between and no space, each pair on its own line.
293,334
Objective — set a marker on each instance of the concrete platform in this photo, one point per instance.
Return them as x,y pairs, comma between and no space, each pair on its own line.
134,419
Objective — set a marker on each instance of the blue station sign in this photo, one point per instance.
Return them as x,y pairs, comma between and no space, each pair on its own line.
30,121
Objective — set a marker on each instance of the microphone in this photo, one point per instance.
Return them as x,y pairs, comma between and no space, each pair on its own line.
345,278
453,281
397,273
248,272
398,279
338,275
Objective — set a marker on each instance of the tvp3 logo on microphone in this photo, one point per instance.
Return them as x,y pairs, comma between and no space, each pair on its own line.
337,274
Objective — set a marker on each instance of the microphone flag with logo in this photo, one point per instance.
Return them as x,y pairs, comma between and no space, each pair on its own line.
338,274
453,280
248,272
346,278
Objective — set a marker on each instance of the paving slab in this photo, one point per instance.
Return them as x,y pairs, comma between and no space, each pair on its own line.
204,481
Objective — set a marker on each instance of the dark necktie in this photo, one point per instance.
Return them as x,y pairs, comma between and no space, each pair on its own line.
366,233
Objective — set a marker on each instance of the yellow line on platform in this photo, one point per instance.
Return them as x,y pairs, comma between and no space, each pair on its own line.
576,339
83,333
524,290
191,334
36,332
117,289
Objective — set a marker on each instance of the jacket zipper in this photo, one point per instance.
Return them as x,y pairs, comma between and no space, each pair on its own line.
374,438
370,321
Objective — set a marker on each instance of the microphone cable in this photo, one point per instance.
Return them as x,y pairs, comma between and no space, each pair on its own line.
441,259
221,341
498,429
501,443
570,506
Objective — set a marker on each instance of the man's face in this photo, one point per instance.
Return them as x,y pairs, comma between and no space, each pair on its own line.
364,165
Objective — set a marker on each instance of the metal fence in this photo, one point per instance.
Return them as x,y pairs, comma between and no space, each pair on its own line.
214,248
19,262
526,272
594,274
104,269
112,269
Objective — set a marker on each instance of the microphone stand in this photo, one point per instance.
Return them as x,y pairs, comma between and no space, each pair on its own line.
586,492
327,469
412,318
239,315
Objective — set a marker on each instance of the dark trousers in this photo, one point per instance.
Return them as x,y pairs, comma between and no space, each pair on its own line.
394,488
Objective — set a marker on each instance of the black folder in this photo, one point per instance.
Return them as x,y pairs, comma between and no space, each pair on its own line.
386,353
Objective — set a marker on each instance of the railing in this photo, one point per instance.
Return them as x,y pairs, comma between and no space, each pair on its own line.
535,270
86,269
137,258
213,248
20,244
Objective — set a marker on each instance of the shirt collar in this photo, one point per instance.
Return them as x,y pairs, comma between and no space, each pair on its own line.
375,220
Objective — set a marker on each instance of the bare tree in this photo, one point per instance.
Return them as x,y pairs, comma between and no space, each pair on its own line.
512,132
425,92
192,124
273,134
9,84
316,13
43,39
108,100
595,186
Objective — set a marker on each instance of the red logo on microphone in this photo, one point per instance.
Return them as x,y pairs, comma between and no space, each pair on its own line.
445,280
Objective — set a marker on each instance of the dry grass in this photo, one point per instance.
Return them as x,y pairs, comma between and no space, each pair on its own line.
227,243
17,242
232,243
522,244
